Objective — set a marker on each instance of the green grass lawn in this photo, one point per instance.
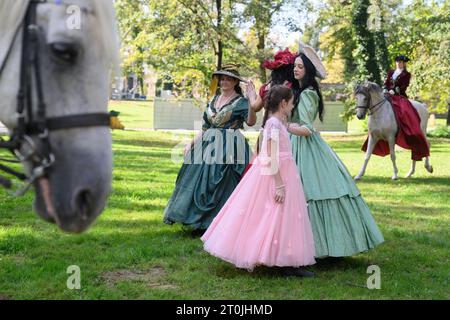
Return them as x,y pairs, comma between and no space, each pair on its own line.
134,114
130,254
139,115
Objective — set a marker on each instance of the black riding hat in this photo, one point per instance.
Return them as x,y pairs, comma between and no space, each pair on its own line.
402,58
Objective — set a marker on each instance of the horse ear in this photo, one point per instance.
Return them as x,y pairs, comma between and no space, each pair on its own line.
359,88
374,87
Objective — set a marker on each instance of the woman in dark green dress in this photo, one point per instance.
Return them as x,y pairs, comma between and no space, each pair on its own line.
215,160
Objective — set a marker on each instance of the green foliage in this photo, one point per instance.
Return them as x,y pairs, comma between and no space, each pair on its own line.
180,38
335,19
440,132
420,30
367,65
429,40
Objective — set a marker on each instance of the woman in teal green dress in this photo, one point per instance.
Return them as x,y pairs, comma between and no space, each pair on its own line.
341,220
215,160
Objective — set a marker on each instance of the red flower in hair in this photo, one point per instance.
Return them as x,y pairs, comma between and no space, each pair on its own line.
281,58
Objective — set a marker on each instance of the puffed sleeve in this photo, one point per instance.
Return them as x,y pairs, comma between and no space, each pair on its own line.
241,110
271,133
206,123
388,80
272,129
308,108
263,91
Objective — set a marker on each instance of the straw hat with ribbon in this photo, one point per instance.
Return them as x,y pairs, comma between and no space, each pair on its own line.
312,55
229,70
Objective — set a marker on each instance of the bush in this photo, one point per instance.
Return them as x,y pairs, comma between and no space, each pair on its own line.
440,132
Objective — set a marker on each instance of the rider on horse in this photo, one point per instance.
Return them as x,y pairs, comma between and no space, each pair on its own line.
397,80
410,135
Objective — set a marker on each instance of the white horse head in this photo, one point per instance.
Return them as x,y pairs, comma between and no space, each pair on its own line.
365,94
75,63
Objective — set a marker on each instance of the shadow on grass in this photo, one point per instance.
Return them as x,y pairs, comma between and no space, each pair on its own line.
228,271
153,143
419,181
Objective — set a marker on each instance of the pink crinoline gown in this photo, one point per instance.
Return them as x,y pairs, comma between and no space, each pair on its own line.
252,229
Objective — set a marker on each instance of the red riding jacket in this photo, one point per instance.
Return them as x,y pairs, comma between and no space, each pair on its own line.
400,84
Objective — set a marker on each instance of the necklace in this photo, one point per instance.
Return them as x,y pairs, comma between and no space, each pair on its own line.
220,104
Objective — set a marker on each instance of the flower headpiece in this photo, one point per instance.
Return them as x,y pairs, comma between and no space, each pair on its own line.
281,58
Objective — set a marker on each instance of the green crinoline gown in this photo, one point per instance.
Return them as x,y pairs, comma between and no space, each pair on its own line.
213,168
340,218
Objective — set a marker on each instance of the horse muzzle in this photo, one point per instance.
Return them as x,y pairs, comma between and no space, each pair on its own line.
361,116
76,187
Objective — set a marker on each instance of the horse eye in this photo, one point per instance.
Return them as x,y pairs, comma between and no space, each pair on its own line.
65,52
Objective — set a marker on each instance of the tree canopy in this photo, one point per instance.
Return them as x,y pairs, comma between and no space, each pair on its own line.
185,41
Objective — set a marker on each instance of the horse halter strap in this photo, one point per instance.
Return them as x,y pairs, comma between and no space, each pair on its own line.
369,105
29,124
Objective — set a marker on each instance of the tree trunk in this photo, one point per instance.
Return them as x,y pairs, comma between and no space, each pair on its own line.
219,28
142,85
261,46
365,41
448,115
382,52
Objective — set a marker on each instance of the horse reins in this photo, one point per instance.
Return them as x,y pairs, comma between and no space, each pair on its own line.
371,108
38,152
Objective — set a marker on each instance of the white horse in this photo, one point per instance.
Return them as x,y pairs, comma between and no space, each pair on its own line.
75,63
383,125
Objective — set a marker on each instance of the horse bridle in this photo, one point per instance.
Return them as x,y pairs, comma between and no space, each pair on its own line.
371,108
37,152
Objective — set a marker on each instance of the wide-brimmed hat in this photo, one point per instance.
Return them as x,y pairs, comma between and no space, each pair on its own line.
282,58
312,55
230,71
401,58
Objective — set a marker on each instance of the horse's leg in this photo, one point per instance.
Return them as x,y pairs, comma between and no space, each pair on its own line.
412,170
371,145
391,142
424,124
428,166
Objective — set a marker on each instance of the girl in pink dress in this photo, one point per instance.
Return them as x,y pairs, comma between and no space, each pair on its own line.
265,221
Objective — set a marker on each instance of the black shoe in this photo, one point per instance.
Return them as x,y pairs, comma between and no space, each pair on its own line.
331,260
197,233
297,272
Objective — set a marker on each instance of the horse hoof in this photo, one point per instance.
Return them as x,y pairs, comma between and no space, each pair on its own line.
358,178
409,175
394,178
430,169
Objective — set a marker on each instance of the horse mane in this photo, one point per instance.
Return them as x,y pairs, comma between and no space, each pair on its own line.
373,86
367,87
12,13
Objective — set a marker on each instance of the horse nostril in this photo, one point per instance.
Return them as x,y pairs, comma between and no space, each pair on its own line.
83,202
